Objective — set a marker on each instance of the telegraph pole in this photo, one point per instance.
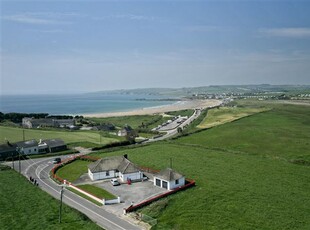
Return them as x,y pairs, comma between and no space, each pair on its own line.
171,163
60,206
23,135
13,160
19,166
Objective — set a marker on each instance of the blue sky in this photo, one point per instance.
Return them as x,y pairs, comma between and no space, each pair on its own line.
81,46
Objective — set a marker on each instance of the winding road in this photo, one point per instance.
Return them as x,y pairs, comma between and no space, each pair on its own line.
39,169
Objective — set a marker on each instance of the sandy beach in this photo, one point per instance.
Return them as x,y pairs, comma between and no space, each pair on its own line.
181,105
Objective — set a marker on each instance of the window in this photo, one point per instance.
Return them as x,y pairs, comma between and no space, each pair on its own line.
35,150
176,181
107,173
29,151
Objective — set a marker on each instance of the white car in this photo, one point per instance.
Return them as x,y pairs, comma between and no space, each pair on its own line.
114,182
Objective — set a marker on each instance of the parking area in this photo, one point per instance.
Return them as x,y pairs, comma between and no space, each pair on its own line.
130,194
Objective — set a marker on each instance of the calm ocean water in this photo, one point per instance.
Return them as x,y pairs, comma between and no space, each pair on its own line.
76,104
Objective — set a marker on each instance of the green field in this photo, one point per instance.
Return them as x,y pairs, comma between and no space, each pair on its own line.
223,115
98,192
25,206
73,171
134,121
16,134
245,178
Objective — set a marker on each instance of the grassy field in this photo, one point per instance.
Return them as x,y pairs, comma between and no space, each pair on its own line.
226,114
183,113
16,134
244,173
25,206
98,192
73,171
133,121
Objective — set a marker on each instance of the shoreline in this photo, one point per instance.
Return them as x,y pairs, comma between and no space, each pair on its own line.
179,105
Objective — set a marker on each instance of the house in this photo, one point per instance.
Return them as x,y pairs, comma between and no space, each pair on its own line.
7,150
29,122
114,167
28,147
169,179
126,131
55,145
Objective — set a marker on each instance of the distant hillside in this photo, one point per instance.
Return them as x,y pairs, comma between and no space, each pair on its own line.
212,89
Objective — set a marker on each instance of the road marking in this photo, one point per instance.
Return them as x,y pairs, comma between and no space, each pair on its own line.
27,169
74,200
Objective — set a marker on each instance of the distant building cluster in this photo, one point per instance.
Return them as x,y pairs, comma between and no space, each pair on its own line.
29,122
31,147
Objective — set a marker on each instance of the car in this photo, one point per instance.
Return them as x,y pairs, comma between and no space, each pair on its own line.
57,160
114,182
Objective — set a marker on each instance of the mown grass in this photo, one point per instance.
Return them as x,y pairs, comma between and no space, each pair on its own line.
244,178
84,196
73,170
16,134
98,192
25,206
223,115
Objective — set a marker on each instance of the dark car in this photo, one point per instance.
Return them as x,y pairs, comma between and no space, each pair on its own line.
57,160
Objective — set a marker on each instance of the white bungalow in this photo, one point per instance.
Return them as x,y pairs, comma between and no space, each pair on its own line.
27,147
113,167
169,179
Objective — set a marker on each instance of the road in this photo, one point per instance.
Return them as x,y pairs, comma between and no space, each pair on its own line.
172,132
39,170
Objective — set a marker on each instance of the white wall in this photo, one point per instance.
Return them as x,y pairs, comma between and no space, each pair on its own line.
172,185
30,150
132,176
102,175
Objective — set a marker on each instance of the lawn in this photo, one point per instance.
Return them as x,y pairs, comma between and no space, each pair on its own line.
98,192
16,134
73,170
25,206
183,113
243,172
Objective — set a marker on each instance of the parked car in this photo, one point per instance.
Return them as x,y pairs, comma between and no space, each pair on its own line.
57,160
114,182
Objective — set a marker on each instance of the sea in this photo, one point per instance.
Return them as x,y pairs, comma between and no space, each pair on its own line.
79,104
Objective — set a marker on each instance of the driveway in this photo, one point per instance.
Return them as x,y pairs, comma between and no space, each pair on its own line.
136,193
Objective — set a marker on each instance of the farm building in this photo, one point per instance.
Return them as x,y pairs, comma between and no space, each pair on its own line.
113,167
169,179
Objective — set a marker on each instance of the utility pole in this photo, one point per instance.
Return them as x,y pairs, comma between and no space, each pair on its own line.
100,137
23,135
13,160
19,166
171,163
60,206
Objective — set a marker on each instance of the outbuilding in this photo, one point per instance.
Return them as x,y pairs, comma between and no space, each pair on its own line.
169,179
28,147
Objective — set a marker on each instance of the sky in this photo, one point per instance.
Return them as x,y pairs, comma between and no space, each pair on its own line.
91,45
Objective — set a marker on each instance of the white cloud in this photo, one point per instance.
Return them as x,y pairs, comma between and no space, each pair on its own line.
127,17
41,18
290,32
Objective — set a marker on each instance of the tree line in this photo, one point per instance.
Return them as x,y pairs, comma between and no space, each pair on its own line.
18,117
